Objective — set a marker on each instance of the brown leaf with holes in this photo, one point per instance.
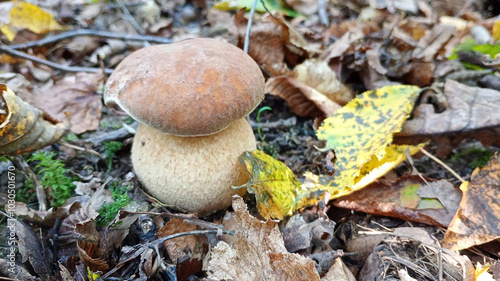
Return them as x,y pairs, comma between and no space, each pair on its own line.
469,108
477,220
257,250
74,98
408,198
24,128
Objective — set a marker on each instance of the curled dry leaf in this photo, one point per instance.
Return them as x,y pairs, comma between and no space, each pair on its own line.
477,220
182,246
469,108
24,128
257,252
272,42
313,91
302,99
75,96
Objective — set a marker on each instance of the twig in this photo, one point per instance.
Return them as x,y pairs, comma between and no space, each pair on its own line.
185,217
442,164
249,26
323,15
40,191
94,33
111,136
194,232
7,50
91,151
129,17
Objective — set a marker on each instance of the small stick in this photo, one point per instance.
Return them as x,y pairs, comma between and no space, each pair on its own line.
40,191
249,26
91,151
323,15
94,33
12,52
129,17
442,164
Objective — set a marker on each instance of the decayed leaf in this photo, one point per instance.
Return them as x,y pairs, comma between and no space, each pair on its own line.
182,246
477,220
408,198
469,108
28,16
277,190
258,252
433,40
302,99
313,91
24,128
273,40
360,133
32,250
76,96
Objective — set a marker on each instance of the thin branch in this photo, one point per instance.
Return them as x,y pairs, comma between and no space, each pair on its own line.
7,50
40,191
129,17
91,151
93,33
249,26
442,164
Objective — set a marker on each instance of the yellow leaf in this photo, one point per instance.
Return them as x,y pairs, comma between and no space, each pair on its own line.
28,16
496,30
361,132
277,190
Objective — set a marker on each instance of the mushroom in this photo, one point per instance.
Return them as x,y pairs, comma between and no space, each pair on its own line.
190,98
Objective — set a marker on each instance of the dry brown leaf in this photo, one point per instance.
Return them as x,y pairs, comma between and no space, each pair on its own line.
340,46
302,99
469,108
408,198
182,246
257,253
24,128
434,39
338,272
477,221
272,42
306,7
76,96
319,76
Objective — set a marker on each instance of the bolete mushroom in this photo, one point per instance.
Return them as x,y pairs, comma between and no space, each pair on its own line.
190,98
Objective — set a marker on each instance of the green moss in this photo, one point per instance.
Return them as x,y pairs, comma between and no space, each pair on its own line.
54,176
70,137
108,212
110,149
476,156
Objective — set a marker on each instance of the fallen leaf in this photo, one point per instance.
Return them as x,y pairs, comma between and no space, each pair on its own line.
434,39
477,220
469,108
259,252
31,249
24,128
28,16
406,198
302,99
76,96
182,246
271,5
360,133
274,43
277,190
340,46
338,272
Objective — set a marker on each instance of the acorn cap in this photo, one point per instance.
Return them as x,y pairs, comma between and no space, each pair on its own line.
192,88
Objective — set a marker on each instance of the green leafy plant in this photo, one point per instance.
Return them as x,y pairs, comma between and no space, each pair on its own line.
27,193
54,176
110,149
108,212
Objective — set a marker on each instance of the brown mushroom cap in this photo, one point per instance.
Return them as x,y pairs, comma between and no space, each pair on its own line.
192,88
